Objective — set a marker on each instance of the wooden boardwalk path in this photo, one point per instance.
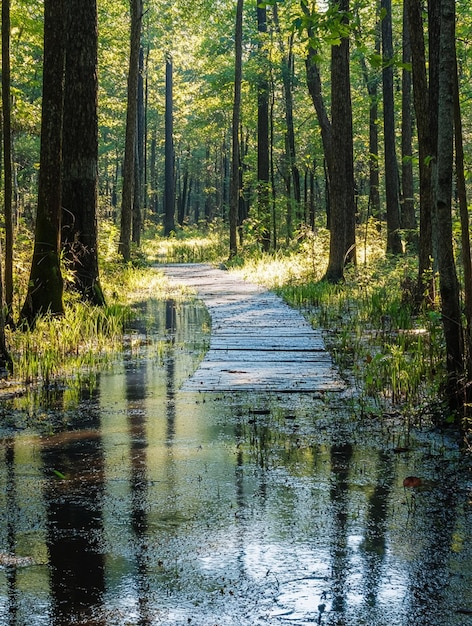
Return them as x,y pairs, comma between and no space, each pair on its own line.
258,343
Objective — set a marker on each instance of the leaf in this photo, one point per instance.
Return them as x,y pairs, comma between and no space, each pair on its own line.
412,482
59,474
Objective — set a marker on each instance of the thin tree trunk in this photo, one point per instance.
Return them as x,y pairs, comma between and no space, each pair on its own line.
7,158
169,176
394,243
263,165
450,307
465,222
408,219
131,130
371,80
235,189
140,165
426,149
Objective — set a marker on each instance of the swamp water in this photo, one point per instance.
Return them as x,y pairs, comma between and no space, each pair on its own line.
140,504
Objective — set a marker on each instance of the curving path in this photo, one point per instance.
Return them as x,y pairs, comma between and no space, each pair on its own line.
258,343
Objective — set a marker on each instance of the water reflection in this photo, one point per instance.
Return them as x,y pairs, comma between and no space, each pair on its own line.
73,495
155,506
340,457
11,513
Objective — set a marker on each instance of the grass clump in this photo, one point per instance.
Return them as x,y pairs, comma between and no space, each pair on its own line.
392,354
203,244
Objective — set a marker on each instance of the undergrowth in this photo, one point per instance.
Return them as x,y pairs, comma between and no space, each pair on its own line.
391,354
73,347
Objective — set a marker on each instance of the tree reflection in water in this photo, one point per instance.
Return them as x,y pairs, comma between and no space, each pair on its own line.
157,506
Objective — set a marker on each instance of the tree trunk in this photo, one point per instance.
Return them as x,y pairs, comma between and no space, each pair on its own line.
392,198
465,222
372,83
45,285
450,307
342,241
80,149
426,149
338,147
263,164
140,164
169,178
287,78
7,159
408,219
235,189
131,130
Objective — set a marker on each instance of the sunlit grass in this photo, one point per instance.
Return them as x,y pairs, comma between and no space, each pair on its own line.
190,245
391,354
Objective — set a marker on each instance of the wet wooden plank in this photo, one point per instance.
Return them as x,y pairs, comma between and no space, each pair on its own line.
258,343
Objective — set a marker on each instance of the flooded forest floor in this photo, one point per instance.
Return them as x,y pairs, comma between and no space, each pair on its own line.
143,501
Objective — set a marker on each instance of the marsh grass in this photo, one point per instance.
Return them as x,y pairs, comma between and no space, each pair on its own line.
84,340
392,355
192,245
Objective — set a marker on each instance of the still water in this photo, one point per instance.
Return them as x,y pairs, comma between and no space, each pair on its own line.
138,504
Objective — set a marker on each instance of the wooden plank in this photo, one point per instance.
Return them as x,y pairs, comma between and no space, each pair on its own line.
258,343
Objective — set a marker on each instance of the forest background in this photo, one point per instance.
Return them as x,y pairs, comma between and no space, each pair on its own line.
320,146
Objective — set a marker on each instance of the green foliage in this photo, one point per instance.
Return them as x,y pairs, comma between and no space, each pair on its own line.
189,245
392,355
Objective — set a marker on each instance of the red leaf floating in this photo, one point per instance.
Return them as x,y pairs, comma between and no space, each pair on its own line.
412,481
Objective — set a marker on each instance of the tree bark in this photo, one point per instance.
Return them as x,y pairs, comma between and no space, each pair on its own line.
392,197
235,188
169,178
80,150
263,164
131,130
449,288
45,285
140,164
338,147
426,142
465,222
7,158
408,218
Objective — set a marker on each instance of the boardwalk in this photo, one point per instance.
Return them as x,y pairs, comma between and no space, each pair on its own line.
258,343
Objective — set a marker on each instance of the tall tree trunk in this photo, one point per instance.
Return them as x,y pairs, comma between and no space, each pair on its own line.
131,130
7,156
465,222
140,165
392,198
287,78
235,189
263,164
371,80
426,142
338,146
408,219
169,177
449,288
153,195
342,182
80,149
45,285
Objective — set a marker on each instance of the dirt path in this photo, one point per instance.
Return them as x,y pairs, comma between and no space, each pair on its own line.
258,343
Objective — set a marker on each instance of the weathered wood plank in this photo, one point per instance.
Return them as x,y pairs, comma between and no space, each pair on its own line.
258,343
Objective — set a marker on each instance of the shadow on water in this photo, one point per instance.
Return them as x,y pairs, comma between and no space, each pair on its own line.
147,505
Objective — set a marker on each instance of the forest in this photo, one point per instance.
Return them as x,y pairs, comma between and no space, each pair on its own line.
319,146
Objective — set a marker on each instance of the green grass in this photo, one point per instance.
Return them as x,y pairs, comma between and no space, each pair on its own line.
392,355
